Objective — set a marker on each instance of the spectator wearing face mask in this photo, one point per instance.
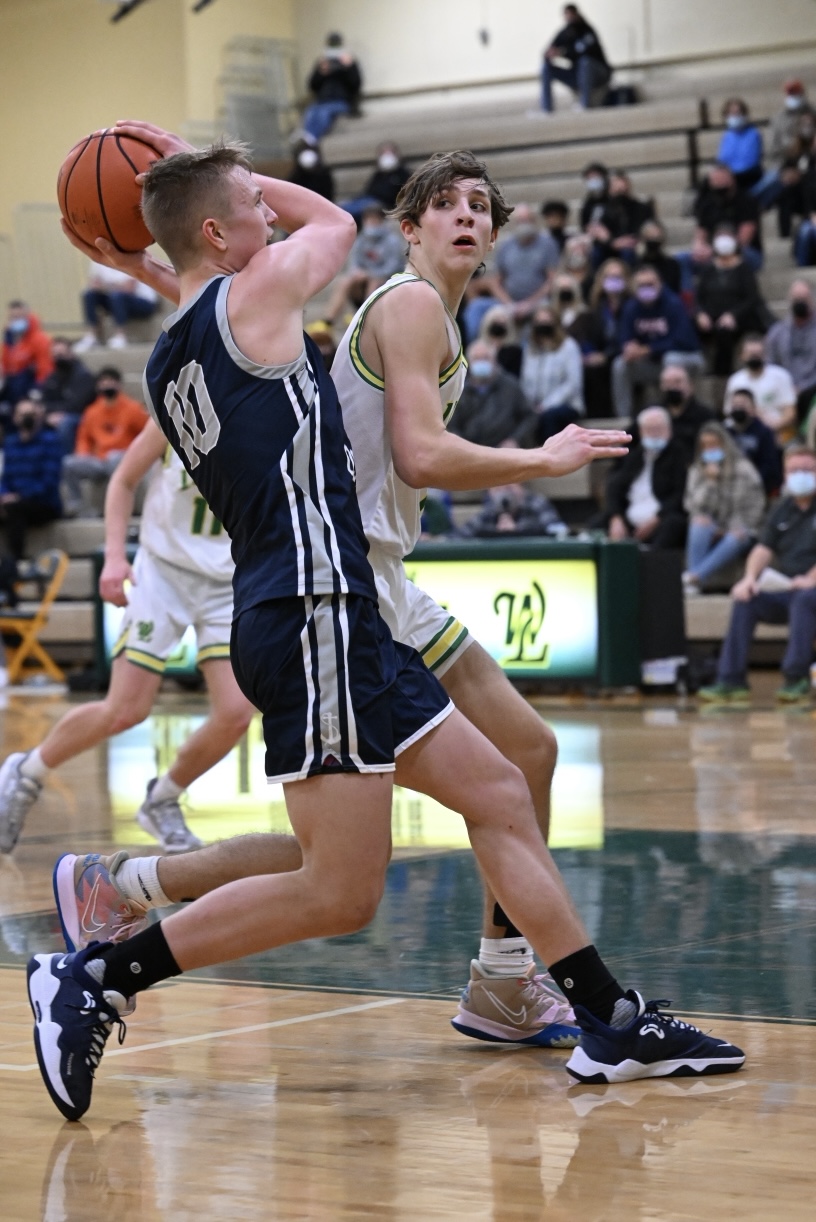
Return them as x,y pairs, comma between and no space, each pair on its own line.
651,253
384,185
644,495
771,385
779,587
721,202
756,441
687,413
336,83
740,146
791,343
492,409
377,254
514,509
525,261
796,197
555,213
67,392
616,231
32,467
784,131
552,375
105,431
586,69
596,187
725,501
27,360
729,302
597,332
309,171
566,299
498,330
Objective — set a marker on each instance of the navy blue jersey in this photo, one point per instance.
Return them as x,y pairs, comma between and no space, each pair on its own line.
267,449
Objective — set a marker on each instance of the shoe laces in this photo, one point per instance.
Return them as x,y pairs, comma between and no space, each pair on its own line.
101,1024
542,995
657,1013
170,818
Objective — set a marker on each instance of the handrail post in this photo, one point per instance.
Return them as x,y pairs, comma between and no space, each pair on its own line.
693,158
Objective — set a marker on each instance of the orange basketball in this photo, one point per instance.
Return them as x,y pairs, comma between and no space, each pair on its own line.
97,191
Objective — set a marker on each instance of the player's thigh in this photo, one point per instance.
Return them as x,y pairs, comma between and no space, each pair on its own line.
160,606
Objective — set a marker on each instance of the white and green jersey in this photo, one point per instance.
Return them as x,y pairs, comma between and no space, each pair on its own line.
178,526
389,508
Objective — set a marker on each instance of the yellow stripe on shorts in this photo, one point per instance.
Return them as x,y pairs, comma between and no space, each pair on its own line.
446,642
211,652
146,660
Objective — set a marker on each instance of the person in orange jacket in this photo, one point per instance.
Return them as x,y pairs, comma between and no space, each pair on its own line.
105,431
27,358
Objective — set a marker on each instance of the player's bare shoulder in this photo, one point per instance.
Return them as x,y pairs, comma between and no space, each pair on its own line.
410,319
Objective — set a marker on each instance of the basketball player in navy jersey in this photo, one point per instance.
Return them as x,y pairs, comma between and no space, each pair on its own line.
257,424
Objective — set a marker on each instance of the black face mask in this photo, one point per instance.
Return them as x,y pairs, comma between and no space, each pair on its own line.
721,192
740,417
543,330
27,423
109,393
800,309
497,331
674,398
565,296
653,248
63,363
755,364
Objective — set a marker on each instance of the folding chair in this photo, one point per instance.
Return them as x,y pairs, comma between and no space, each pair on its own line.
48,569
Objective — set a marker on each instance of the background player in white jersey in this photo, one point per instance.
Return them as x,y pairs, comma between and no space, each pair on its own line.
182,574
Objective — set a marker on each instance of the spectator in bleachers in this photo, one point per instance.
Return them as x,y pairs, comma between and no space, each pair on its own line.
784,127
791,343
552,375
498,330
596,197
492,409
740,146
27,358
655,331
755,439
323,336
555,213
32,467
616,230
105,431
336,83
779,587
588,69
804,242
384,185
577,260
597,332
644,494
721,202
525,261
651,253
123,299
514,509
310,171
566,299
725,501
688,413
67,392
377,254
729,302
771,385
796,196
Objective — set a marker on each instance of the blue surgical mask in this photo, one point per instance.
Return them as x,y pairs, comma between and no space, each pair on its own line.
18,326
654,444
481,368
800,483
713,455
735,122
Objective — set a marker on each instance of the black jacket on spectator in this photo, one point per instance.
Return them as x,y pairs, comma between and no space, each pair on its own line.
623,215
732,290
734,208
319,179
668,480
70,389
577,39
758,443
667,268
385,185
340,83
490,417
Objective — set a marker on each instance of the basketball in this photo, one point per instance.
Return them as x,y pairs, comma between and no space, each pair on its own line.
97,192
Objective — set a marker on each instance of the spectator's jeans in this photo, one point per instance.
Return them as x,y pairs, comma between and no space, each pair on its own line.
77,467
320,116
626,375
583,77
795,607
804,245
19,515
67,430
767,191
123,306
708,552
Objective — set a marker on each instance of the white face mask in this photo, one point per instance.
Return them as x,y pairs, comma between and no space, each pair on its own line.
793,101
800,483
308,159
387,161
725,244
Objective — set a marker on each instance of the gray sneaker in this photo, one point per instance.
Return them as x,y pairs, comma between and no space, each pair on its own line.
18,794
165,822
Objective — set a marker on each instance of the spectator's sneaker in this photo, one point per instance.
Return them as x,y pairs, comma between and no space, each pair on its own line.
91,906
724,693
515,1010
118,341
73,1017
795,692
165,822
653,1045
18,794
85,344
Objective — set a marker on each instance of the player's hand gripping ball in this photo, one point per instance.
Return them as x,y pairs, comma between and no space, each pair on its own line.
98,193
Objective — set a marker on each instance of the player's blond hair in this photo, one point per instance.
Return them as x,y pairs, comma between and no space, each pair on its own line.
181,191
437,174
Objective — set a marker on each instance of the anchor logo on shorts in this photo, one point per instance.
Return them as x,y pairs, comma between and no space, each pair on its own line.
331,728
350,463
525,620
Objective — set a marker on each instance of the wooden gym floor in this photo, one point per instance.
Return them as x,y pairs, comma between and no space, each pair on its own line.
324,1082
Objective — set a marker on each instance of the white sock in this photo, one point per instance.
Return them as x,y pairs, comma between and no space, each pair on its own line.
165,789
505,956
34,767
138,877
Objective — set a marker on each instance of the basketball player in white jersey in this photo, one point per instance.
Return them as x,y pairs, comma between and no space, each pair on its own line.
182,575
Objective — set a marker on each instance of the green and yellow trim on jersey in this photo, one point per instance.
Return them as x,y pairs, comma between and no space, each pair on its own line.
446,642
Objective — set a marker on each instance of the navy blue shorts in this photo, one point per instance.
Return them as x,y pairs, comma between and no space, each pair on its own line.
337,693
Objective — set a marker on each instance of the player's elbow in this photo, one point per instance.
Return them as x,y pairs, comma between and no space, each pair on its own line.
416,467
347,229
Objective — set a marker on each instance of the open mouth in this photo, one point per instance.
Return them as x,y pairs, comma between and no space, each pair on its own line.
465,240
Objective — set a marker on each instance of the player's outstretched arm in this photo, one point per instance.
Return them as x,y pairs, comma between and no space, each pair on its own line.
141,265
137,460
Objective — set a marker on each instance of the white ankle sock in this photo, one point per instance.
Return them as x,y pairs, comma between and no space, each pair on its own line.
164,790
34,767
505,956
138,878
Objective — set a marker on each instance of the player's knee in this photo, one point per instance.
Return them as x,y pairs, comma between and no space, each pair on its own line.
235,717
353,910
126,716
537,751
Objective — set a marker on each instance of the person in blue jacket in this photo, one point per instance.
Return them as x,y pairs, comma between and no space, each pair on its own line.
32,465
741,144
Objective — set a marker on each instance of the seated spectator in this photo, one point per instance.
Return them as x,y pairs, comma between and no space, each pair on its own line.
105,431
729,302
655,331
514,510
688,413
616,231
644,495
114,293
551,375
27,359
492,409
651,253
498,330
721,202
336,83
586,69
525,260
791,343
566,299
32,468
804,242
66,392
323,335
597,332
740,144
797,173
377,254
724,501
555,213
479,298
577,260
310,171
780,173
771,385
385,183
755,439
779,587
596,186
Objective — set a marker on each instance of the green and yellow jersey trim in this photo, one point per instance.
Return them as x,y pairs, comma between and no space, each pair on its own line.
446,642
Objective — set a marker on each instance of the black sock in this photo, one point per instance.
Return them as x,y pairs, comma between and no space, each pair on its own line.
585,980
141,961
501,919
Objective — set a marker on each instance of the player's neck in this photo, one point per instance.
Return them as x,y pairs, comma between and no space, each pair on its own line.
193,280
451,288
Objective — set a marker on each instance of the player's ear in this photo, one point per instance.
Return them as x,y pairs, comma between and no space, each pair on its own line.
213,233
409,231
494,233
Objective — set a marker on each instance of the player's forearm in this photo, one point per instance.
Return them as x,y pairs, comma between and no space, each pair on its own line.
456,465
119,501
296,206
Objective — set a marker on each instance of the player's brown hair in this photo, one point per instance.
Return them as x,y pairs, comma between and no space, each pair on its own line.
181,191
438,173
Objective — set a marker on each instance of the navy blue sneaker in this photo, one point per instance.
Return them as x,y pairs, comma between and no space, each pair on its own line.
654,1045
73,1017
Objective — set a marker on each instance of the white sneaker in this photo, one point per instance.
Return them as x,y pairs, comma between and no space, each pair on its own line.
117,341
18,794
86,343
164,820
